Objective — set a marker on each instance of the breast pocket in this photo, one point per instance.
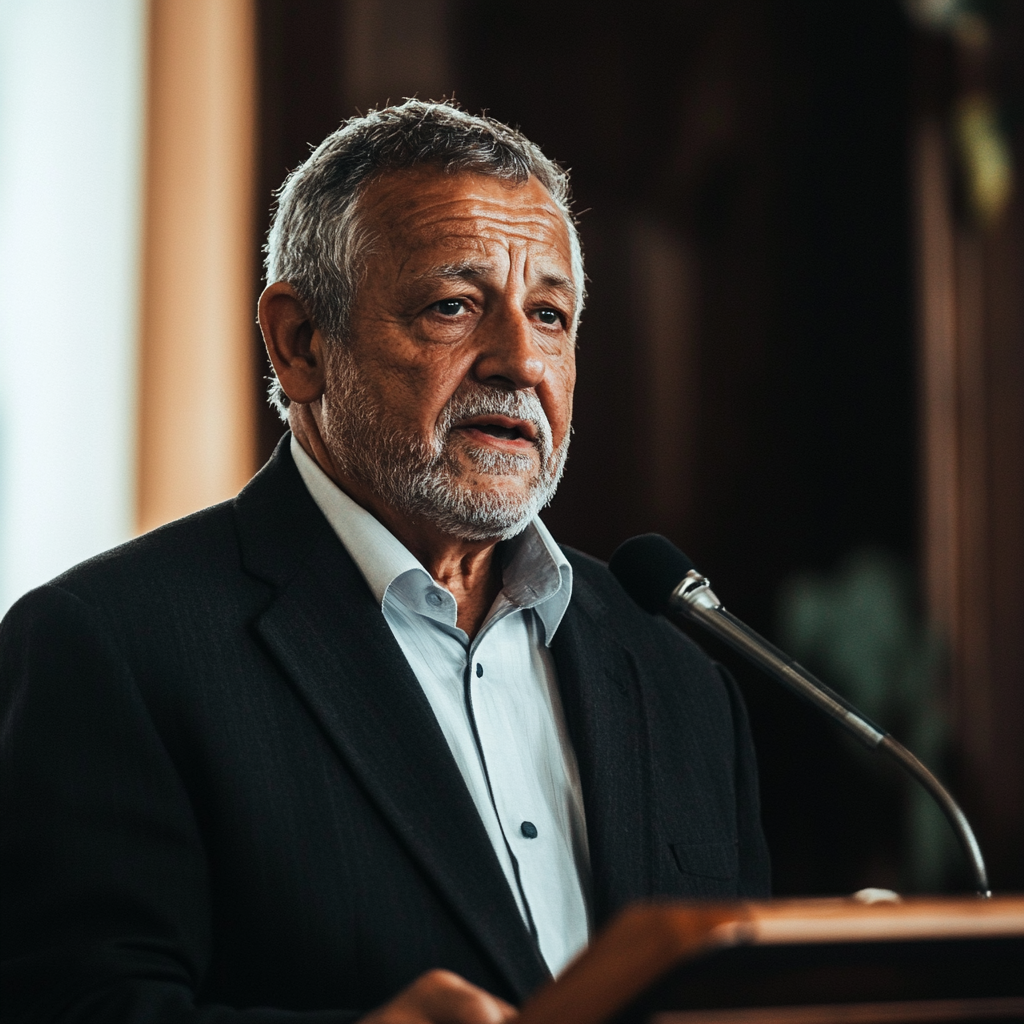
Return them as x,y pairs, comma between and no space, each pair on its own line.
707,869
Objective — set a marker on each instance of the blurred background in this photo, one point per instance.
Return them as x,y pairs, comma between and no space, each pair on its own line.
802,358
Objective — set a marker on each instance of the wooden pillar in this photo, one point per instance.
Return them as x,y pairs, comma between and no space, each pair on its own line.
196,414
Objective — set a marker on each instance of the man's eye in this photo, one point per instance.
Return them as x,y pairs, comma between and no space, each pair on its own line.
549,316
450,307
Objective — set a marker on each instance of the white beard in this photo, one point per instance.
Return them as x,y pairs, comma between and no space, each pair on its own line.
422,479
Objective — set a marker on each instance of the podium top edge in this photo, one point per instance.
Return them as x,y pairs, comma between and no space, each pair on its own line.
845,920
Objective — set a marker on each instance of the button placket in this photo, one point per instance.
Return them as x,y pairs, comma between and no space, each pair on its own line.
520,831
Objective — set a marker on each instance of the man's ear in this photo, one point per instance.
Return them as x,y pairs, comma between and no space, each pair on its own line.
294,346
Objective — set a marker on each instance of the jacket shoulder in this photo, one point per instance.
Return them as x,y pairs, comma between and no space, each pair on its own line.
188,549
199,550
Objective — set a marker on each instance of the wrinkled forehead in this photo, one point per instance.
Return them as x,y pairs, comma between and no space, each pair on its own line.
421,214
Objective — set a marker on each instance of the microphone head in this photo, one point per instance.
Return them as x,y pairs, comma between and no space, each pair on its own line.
649,567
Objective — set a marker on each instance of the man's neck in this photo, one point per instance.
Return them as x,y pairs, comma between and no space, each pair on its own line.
467,569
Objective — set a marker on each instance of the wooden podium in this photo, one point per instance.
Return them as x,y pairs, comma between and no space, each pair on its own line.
797,962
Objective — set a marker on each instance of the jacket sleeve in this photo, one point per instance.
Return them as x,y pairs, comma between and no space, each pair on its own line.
106,912
755,877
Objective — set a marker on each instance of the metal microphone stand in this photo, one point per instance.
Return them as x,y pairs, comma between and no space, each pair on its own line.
694,599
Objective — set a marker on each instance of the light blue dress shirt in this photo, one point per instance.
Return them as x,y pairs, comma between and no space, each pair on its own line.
496,699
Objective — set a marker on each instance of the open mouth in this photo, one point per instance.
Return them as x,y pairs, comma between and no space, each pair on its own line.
508,433
501,428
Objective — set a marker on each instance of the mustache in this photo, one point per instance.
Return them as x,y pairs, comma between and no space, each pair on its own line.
472,400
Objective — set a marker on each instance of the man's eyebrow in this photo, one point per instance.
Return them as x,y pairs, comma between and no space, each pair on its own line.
462,269
469,269
559,282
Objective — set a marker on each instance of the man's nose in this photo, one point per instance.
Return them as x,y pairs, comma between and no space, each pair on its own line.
509,355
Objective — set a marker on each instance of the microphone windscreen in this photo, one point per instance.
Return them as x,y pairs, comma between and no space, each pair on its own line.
649,567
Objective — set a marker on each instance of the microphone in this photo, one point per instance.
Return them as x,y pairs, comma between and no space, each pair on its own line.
661,579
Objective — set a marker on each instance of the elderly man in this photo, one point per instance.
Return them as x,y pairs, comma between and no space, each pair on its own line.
365,740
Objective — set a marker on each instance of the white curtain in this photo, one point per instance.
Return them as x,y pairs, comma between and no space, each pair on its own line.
71,146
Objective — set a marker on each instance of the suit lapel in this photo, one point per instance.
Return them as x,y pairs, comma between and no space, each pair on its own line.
335,647
605,717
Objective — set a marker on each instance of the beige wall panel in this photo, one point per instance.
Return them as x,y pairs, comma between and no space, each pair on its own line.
196,416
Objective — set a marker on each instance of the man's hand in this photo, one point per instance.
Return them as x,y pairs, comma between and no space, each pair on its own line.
441,997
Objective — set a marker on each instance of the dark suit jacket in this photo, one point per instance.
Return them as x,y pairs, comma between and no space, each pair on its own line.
225,797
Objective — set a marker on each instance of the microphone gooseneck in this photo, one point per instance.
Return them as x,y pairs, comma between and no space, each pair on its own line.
660,578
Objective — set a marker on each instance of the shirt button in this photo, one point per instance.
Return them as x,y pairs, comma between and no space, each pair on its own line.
479,670
434,598
528,829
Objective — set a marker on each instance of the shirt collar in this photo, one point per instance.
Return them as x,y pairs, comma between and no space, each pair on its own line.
535,573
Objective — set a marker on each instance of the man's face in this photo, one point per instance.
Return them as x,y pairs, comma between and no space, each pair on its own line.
451,399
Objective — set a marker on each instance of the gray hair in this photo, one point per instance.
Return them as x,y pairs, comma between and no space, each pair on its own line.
316,241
